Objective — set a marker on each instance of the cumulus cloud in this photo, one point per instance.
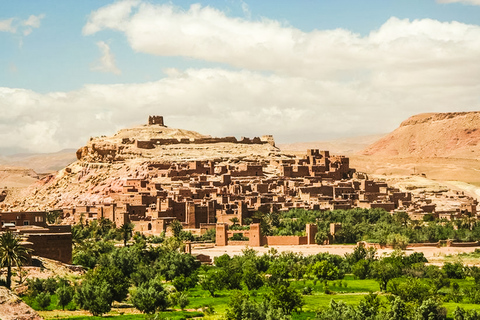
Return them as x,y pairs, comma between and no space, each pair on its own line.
25,27
6,26
222,103
445,49
106,62
246,9
469,2
33,22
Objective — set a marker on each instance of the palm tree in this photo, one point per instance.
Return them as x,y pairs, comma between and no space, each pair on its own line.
126,230
12,253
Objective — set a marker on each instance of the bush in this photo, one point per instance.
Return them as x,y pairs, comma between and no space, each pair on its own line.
94,296
454,270
43,299
307,290
150,296
65,295
397,241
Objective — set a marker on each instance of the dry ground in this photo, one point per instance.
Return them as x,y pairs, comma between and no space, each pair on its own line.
433,254
440,169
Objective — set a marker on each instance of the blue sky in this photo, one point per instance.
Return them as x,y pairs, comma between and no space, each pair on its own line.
300,70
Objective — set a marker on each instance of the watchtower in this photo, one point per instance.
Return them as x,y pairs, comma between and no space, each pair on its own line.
158,120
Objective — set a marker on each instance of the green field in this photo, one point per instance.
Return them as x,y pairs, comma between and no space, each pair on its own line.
350,290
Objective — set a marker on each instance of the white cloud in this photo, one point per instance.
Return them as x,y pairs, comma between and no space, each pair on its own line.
446,48
25,27
470,2
246,9
6,26
222,103
111,16
33,22
107,60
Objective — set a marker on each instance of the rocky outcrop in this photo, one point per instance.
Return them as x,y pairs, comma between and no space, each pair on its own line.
13,308
444,135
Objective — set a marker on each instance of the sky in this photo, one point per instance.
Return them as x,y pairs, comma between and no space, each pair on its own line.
304,70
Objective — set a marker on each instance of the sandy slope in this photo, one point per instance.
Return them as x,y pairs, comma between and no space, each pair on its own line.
451,135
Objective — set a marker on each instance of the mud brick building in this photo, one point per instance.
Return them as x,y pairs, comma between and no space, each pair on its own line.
201,194
49,241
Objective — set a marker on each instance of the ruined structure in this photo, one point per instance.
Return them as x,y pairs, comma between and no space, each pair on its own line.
155,120
153,140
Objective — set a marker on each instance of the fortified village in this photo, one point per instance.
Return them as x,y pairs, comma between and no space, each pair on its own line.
212,188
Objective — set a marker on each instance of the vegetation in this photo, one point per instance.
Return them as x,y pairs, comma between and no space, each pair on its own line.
154,276
12,254
373,225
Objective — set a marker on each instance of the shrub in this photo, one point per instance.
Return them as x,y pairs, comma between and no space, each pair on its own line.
43,300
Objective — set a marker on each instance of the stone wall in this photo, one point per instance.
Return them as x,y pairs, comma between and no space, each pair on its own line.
150,144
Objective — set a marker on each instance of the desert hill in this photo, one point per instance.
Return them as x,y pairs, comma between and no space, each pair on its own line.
440,146
343,146
40,162
445,135
103,165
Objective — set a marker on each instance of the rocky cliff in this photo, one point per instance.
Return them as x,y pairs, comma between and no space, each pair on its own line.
442,135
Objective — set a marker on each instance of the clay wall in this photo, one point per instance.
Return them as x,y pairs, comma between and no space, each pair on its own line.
221,237
56,246
387,206
286,240
150,144
369,186
34,218
144,144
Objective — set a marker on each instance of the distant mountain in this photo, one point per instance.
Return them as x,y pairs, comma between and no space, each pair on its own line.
344,146
443,135
40,162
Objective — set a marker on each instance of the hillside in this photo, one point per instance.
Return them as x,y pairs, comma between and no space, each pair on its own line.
343,146
444,135
104,163
40,162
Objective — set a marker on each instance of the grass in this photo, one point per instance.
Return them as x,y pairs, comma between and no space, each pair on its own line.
170,315
349,290
53,303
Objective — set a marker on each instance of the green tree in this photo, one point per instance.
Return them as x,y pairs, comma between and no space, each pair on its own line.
369,306
397,241
286,298
430,309
325,270
251,277
176,227
454,270
398,310
211,280
12,253
126,230
94,296
383,272
235,221
43,299
150,296
182,300
361,269
53,216
65,295
321,237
